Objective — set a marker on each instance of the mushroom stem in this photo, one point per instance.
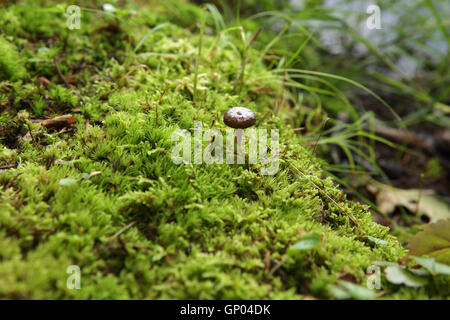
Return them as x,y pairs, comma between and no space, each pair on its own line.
240,159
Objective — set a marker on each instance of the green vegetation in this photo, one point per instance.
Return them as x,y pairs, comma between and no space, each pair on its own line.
104,194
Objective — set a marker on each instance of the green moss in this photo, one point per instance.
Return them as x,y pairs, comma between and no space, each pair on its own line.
11,64
145,227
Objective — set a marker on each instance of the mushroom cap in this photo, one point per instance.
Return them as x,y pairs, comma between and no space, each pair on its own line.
239,118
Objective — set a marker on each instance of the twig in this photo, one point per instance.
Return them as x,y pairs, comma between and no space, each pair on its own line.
10,183
59,122
93,173
60,74
128,226
254,36
68,85
278,266
162,95
8,166
159,103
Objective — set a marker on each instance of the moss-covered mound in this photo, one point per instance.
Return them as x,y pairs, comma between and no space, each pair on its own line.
105,195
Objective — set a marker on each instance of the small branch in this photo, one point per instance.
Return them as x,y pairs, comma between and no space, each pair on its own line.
10,183
128,226
8,166
162,95
254,36
278,266
59,122
60,74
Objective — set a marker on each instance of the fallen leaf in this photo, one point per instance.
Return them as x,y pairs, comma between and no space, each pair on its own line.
348,290
398,275
433,241
388,198
432,266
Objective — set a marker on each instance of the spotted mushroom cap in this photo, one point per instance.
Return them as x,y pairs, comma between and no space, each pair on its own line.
239,118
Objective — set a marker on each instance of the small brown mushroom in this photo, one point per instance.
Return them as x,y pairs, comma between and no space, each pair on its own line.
239,118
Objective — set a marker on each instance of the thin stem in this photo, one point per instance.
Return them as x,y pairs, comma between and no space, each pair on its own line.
197,59
31,133
243,63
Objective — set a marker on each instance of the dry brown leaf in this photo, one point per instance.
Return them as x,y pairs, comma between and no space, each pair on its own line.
388,198
433,241
59,122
